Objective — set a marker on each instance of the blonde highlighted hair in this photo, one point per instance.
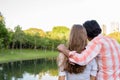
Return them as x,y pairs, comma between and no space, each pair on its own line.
77,42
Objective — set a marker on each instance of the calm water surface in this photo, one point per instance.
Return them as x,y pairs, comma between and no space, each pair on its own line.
42,69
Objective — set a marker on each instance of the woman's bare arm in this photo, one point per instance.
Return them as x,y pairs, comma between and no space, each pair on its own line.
61,78
92,78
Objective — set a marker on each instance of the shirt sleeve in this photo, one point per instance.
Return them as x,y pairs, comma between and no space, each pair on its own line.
62,73
60,60
94,68
91,51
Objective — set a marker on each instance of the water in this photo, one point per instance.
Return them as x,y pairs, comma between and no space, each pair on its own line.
42,69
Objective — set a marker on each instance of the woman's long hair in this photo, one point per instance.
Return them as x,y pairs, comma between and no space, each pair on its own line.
77,42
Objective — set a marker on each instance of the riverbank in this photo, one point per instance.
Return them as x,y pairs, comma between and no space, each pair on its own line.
24,54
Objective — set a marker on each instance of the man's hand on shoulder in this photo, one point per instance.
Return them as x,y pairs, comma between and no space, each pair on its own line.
63,49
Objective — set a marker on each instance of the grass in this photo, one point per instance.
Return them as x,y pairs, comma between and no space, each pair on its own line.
8,55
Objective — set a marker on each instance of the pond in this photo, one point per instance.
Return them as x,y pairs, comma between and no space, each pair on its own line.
42,69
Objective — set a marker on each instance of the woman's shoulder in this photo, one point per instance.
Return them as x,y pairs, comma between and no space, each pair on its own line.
61,59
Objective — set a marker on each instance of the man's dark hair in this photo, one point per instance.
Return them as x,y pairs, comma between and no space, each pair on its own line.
92,27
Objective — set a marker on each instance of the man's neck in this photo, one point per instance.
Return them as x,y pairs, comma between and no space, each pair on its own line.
90,38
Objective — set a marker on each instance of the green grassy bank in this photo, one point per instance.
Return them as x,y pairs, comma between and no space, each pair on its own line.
24,54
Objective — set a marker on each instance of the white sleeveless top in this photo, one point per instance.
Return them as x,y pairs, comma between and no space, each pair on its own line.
91,69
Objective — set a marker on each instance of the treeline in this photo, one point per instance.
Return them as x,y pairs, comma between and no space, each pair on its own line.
32,38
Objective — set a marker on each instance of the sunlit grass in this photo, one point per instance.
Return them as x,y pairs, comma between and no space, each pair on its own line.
25,54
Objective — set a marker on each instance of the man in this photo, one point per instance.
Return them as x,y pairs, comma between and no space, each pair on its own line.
104,49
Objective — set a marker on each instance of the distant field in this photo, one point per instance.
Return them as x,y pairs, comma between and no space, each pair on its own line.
25,54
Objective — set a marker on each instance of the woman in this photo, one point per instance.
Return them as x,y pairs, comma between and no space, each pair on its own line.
67,71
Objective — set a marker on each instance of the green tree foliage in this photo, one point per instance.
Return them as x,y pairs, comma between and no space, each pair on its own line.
3,33
10,40
115,35
29,41
18,37
59,32
35,37
32,38
34,31
38,39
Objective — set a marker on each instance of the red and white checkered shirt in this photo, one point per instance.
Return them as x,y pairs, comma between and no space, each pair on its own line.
107,53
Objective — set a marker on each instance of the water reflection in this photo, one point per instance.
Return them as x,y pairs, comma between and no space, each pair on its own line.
42,69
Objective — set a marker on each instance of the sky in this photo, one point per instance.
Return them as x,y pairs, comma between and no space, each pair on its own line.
45,14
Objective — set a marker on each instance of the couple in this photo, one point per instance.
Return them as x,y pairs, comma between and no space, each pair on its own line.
97,60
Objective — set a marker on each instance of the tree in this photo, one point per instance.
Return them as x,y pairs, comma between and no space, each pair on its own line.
34,31
115,35
10,40
3,32
60,32
18,37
